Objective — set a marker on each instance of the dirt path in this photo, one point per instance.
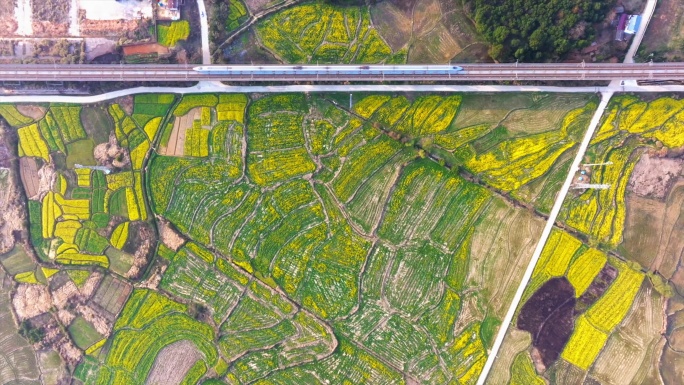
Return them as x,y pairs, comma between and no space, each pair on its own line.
24,17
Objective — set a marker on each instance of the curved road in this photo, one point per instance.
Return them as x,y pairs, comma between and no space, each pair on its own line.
332,73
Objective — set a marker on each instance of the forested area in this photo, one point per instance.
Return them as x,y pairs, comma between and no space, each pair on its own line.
533,30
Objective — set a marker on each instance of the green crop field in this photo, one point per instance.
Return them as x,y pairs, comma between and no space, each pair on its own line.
333,35
290,238
169,35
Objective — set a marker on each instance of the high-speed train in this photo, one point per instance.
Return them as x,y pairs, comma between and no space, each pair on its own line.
331,70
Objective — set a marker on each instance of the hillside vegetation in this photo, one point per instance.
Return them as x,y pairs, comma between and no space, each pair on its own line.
531,30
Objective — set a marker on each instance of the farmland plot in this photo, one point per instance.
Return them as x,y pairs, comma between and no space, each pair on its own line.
636,151
323,33
402,256
316,244
19,359
87,216
260,330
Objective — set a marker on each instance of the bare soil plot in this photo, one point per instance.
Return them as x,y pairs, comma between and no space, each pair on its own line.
654,227
144,49
665,34
181,124
173,362
28,169
434,31
111,296
107,27
169,235
32,111
393,24
547,315
97,47
436,46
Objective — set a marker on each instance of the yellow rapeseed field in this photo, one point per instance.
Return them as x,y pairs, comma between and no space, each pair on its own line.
585,344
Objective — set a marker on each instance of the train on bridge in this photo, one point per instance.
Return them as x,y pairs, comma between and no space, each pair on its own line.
330,70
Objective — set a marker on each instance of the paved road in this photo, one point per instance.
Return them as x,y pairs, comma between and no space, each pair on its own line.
471,72
206,54
645,19
636,41
204,87
560,198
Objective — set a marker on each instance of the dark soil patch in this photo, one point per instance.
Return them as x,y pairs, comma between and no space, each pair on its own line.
598,286
548,316
246,50
108,58
406,6
193,44
138,234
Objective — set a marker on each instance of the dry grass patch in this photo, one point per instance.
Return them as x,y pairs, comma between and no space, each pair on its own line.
665,33
173,362
32,111
392,24
631,347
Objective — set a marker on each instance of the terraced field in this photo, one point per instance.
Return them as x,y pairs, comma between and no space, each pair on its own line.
389,32
392,250
286,238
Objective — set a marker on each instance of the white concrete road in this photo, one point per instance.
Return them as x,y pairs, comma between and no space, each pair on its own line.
636,41
204,87
605,98
206,54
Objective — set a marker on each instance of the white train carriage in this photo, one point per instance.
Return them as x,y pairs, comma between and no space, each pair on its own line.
330,70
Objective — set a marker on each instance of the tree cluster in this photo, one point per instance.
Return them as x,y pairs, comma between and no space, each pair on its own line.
533,30
30,332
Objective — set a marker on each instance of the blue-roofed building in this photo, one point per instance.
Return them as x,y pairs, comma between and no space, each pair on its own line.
633,24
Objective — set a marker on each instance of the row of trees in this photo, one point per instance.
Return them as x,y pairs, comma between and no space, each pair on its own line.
533,30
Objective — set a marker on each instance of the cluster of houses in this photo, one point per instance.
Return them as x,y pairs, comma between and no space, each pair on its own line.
169,9
626,24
